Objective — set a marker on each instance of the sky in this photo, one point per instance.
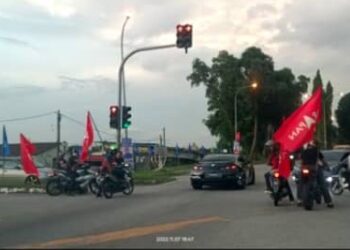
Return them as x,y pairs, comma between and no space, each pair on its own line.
65,55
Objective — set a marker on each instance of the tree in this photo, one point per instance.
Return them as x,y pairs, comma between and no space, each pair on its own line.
328,100
261,110
343,119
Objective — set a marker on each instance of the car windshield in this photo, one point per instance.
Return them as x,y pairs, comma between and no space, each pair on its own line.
331,155
212,158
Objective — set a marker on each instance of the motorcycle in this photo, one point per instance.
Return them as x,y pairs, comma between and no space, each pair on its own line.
96,182
307,186
340,178
279,187
69,183
111,184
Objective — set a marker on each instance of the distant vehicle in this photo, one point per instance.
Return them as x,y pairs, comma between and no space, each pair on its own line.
344,147
333,156
226,169
13,175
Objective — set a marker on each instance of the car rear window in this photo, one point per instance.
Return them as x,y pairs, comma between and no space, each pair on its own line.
333,155
219,158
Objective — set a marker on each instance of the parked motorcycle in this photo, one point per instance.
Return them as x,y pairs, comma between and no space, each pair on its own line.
69,183
111,184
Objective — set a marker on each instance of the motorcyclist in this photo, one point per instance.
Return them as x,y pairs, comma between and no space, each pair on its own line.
313,159
113,164
275,160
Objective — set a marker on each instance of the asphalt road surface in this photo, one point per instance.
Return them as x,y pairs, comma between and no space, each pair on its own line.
172,215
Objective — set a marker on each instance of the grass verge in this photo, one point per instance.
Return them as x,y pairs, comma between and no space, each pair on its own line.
167,174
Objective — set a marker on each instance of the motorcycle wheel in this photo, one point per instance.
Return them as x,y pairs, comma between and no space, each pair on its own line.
129,189
53,187
94,187
308,201
336,187
107,189
275,200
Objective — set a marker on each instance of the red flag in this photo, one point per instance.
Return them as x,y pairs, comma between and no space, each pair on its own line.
88,138
300,126
284,164
27,149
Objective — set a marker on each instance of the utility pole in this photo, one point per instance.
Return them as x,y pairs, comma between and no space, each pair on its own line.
58,137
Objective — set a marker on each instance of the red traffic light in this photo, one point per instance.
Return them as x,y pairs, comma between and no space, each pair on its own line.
113,110
179,28
188,28
184,36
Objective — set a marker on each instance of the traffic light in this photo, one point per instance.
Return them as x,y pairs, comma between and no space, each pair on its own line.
126,117
184,36
114,116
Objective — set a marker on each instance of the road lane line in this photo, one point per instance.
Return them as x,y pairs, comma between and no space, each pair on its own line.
123,234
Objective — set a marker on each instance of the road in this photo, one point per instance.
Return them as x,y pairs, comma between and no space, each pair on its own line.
171,215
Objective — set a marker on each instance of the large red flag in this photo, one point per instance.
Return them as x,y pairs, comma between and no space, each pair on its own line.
88,138
284,163
27,149
300,126
298,129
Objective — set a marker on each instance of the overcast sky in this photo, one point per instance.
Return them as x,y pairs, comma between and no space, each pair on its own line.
64,55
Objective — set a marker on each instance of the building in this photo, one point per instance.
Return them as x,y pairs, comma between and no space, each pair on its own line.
45,152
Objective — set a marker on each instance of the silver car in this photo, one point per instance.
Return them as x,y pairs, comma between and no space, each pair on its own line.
13,175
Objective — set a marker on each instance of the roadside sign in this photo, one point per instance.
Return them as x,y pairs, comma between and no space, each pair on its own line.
127,150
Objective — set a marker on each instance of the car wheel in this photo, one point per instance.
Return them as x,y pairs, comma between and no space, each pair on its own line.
32,180
251,176
241,184
196,185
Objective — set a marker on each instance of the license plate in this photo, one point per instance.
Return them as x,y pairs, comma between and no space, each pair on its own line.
214,175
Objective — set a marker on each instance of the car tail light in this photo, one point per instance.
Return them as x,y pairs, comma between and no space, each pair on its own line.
305,171
197,168
231,167
276,174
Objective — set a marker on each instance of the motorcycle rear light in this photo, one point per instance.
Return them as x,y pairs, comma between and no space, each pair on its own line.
276,175
305,171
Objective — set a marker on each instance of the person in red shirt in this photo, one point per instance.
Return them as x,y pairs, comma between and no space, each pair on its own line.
273,161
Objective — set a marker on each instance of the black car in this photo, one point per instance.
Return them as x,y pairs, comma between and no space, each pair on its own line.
334,156
226,169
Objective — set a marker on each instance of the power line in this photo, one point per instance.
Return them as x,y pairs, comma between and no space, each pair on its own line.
83,125
28,117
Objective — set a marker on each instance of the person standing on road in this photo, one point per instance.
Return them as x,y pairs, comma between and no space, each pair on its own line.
313,159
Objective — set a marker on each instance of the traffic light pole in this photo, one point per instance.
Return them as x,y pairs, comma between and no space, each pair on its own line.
120,79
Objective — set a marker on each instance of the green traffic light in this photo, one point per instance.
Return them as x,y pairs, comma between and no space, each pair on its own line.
127,125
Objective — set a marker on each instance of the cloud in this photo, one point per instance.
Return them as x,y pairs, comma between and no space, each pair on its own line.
17,42
19,91
99,82
56,8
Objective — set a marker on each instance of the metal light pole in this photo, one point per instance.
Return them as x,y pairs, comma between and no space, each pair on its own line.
120,74
122,58
254,86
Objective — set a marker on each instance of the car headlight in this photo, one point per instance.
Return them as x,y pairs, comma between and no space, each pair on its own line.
329,179
294,178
